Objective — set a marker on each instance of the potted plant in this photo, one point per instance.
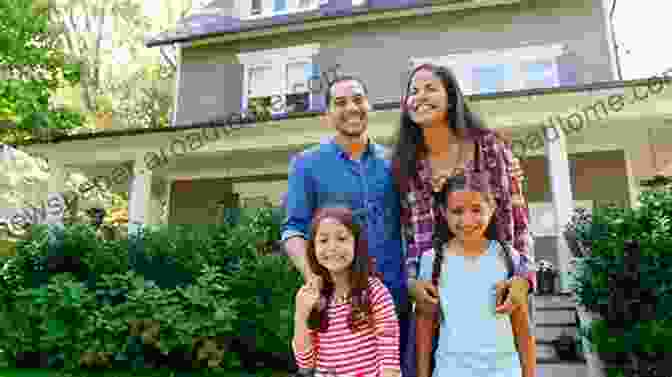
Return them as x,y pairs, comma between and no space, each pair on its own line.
577,233
565,347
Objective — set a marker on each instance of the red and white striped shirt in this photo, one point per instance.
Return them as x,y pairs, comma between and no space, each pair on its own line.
362,354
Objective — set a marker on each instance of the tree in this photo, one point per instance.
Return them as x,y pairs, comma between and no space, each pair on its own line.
146,98
90,30
31,68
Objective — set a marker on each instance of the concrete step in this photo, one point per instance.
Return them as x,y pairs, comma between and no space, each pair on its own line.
562,369
547,333
552,317
554,302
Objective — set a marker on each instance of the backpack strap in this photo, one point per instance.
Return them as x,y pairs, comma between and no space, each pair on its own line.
505,251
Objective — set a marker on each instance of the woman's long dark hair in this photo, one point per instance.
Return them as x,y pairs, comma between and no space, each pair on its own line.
410,143
442,233
362,268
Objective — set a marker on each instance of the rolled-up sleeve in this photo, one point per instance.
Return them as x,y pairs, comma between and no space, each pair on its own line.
300,201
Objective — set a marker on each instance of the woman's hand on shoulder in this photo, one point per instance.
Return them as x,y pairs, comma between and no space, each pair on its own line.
511,294
425,293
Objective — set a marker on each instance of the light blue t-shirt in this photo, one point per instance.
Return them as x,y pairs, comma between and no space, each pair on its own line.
473,339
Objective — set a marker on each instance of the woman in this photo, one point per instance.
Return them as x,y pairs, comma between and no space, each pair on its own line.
438,137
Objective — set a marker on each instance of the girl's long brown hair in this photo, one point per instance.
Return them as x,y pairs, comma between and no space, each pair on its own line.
362,267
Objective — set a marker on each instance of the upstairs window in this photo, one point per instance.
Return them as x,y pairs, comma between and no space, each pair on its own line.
496,71
277,82
270,8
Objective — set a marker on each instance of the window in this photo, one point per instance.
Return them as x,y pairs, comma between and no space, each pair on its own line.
307,4
256,7
502,70
278,81
269,8
279,6
492,78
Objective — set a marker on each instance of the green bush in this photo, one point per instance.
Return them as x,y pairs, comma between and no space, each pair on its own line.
220,284
628,276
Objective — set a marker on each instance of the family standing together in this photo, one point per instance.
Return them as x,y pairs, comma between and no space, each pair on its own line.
416,261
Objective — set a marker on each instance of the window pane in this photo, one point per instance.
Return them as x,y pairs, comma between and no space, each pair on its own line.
260,80
297,77
493,78
297,102
256,6
279,5
540,74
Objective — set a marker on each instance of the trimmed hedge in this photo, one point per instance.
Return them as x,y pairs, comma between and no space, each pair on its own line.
627,278
181,296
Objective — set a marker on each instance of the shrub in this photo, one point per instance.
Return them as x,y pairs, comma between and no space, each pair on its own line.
162,295
628,278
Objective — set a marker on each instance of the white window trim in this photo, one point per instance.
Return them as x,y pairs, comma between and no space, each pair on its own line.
266,13
279,57
462,64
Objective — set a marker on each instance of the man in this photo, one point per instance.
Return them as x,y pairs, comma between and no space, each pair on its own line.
349,169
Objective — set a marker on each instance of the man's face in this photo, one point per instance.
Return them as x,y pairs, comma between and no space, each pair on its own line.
348,108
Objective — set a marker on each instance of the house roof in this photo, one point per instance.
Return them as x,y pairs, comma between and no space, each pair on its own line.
216,21
229,124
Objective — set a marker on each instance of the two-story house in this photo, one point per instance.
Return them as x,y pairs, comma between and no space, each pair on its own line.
524,64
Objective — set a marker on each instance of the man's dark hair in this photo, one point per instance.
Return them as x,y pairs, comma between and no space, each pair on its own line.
339,79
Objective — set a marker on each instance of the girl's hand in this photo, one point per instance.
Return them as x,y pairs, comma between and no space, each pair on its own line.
308,297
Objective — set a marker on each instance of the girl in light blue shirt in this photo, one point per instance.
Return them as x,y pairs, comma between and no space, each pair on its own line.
476,336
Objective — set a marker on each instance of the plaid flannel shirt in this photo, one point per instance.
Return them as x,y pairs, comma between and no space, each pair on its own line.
493,166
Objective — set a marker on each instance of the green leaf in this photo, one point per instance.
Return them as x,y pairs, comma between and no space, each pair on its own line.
56,328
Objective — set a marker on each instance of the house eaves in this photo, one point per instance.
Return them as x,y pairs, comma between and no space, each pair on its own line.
221,29
387,106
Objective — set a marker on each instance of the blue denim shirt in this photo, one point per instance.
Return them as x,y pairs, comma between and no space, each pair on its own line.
326,176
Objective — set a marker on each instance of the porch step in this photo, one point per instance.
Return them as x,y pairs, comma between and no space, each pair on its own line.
563,369
554,302
549,332
555,316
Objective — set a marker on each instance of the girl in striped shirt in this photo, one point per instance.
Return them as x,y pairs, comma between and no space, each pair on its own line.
345,323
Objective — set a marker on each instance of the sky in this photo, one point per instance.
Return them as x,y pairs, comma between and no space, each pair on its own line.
643,26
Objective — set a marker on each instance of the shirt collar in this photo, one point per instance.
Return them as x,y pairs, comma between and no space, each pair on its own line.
343,154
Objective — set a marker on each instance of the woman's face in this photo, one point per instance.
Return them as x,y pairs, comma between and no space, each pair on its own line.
468,214
334,246
428,99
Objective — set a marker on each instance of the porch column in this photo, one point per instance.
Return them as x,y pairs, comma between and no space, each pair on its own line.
631,157
164,215
561,194
139,197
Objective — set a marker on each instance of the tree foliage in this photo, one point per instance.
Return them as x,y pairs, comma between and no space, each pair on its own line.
30,69
89,31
